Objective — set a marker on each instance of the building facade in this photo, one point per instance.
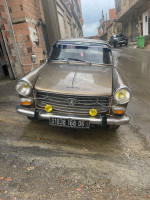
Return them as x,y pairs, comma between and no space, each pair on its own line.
114,27
63,19
22,25
109,27
134,16
102,29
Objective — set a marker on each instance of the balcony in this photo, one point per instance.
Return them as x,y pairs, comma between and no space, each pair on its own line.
128,8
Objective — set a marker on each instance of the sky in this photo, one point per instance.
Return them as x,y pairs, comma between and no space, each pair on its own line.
92,13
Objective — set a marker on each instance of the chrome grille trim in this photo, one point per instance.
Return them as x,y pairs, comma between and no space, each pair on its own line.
82,106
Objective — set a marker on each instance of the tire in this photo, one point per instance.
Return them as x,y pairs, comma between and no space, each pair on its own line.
126,44
113,127
120,45
115,45
31,119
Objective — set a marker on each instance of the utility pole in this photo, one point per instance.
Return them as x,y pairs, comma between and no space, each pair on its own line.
103,23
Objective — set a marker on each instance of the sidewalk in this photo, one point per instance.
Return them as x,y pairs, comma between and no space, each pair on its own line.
132,45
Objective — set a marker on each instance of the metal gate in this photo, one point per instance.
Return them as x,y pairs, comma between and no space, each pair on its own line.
134,30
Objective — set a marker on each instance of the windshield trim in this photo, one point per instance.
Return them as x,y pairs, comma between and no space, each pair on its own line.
86,44
73,61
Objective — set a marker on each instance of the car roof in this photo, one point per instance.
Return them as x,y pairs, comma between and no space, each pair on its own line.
84,40
118,34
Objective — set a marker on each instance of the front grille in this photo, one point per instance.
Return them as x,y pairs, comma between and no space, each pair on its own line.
81,104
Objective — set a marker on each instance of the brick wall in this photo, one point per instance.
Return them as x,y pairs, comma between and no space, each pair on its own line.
26,18
7,44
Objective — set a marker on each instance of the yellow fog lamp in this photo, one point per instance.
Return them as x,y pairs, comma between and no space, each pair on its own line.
93,112
119,110
26,101
48,108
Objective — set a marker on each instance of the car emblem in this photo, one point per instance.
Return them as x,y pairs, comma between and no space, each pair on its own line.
71,102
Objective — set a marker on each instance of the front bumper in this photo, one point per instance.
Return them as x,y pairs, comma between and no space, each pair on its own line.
111,120
122,42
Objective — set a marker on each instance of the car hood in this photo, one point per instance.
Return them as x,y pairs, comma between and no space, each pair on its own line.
75,79
121,38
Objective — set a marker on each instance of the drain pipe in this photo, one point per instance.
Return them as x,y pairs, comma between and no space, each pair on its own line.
10,68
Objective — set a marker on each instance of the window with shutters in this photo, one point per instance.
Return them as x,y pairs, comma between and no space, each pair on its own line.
118,5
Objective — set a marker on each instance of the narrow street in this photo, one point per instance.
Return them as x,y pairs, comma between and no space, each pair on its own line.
42,162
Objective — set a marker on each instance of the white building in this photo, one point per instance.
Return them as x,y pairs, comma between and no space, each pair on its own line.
146,22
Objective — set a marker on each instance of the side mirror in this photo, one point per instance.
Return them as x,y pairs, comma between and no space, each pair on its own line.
119,57
45,53
33,59
117,61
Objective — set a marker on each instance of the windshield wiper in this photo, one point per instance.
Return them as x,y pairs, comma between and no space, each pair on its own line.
60,59
76,59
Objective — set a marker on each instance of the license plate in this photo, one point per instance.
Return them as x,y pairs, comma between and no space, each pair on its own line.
69,123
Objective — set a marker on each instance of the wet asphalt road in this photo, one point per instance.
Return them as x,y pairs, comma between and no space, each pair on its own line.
42,162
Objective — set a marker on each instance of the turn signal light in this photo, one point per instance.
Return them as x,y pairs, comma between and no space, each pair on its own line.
93,112
119,110
48,108
26,101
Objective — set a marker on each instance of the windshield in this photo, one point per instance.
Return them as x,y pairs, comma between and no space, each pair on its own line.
99,54
119,35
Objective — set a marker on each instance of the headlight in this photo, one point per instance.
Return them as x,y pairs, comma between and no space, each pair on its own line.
24,88
122,95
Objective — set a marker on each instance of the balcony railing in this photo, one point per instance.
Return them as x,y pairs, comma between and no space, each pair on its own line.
126,7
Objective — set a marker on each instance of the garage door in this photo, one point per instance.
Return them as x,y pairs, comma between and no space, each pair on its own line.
61,22
69,29
126,30
134,31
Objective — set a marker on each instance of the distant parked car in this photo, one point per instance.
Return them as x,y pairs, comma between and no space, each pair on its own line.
79,86
118,39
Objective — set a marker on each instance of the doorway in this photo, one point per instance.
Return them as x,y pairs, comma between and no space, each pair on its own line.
149,26
141,26
5,66
134,30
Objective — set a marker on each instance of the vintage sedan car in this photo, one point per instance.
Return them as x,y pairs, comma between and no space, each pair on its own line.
79,86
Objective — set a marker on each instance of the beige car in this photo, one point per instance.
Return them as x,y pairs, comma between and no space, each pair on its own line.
77,87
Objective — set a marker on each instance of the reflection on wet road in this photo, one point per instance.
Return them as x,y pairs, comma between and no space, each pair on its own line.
134,66
42,162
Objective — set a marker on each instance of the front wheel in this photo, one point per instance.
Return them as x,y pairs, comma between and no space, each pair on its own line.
31,119
115,45
126,44
113,127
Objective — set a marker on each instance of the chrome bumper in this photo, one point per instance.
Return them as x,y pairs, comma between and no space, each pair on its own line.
111,120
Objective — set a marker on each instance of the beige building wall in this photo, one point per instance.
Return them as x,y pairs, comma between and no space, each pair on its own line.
62,19
114,28
130,15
